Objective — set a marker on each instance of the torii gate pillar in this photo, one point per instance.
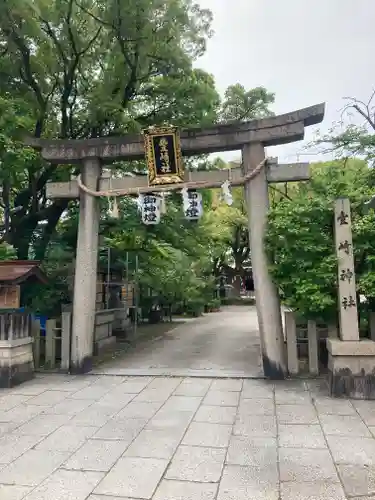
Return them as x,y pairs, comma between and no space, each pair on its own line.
85,271
266,293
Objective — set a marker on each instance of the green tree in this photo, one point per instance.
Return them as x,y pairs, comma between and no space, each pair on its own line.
353,140
242,105
84,69
300,239
6,252
230,229
88,68
238,105
174,256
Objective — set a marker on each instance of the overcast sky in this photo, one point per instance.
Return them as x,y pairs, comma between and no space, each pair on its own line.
306,51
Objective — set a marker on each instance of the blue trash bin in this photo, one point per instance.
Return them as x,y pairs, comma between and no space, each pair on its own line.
42,320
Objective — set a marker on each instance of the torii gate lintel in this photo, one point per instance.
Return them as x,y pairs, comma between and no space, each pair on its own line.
272,131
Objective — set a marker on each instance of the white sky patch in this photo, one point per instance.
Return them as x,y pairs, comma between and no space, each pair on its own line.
306,52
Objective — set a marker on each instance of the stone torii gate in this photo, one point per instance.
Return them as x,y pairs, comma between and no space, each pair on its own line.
252,138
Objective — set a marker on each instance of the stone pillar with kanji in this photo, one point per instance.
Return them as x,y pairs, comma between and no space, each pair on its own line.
351,361
348,311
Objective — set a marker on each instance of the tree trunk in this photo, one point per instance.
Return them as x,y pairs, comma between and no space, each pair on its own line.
22,250
237,281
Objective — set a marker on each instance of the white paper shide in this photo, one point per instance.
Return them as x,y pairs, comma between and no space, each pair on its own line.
227,193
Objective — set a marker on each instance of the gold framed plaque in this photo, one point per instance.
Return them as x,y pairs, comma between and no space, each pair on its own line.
163,155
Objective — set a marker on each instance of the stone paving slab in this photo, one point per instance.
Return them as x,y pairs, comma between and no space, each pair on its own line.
344,425
258,452
206,434
184,490
31,468
255,425
249,483
198,464
301,436
152,443
66,438
134,476
12,492
96,455
306,465
216,414
322,490
144,438
357,479
221,398
66,484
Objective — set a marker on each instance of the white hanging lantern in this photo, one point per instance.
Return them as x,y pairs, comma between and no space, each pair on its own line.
227,193
192,204
150,206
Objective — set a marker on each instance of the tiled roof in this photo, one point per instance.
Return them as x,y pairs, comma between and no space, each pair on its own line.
17,271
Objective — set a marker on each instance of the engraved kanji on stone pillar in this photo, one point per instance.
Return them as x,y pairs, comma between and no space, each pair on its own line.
348,311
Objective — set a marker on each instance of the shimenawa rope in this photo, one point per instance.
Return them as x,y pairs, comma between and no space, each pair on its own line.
148,189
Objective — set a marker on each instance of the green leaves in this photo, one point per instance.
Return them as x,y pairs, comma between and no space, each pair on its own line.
300,239
88,68
242,105
7,252
301,249
78,69
173,256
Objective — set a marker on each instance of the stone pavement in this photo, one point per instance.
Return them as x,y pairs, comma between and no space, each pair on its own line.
108,438
225,344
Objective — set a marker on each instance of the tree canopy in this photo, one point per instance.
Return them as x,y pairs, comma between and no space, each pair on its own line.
79,69
84,69
88,69
300,237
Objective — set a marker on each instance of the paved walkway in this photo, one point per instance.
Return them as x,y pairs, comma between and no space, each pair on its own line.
219,344
108,438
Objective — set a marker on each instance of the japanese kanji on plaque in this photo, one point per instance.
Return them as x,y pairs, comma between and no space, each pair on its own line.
163,155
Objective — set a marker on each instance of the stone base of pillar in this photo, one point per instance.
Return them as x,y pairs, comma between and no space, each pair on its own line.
271,370
16,362
84,366
351,368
